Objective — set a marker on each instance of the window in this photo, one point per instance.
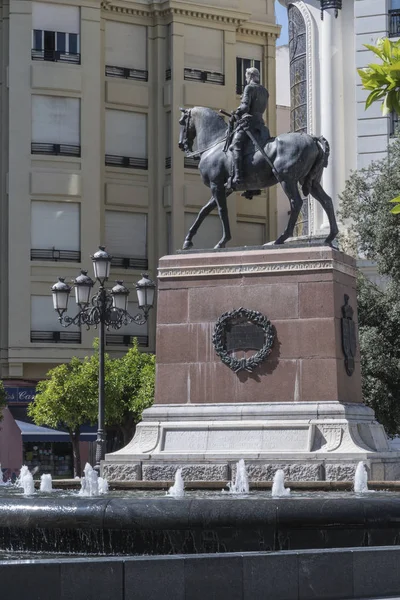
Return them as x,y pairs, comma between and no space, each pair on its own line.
55,35
168,144
394,19
126,51
123,336
56,125
126,139
45,326
203,60
126,239
55,231
248,55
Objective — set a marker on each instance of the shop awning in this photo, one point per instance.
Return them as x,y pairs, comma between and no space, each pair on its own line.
35,433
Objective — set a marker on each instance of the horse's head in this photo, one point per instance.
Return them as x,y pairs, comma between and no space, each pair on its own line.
188,130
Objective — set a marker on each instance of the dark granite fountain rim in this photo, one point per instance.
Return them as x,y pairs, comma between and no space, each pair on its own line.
188,513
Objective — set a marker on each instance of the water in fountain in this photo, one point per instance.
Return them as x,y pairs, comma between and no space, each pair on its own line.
103,485
278,486
2,482
178,489
91,483
241,483
46,484
25,480
361,479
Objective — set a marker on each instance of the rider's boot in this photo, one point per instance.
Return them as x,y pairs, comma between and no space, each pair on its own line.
238,178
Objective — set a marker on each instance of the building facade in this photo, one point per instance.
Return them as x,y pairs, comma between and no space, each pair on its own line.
90,95
326,46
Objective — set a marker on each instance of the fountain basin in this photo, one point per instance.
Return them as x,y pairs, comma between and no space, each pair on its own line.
153,526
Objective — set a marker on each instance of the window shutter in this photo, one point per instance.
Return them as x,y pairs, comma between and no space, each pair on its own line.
204,49
55,17
126,134
250,51
126,45
126,234
55,120
43,315
55,225
250,234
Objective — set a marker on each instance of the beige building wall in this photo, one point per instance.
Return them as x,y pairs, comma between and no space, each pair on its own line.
168,193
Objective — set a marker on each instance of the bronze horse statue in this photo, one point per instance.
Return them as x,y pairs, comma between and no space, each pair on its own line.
293,159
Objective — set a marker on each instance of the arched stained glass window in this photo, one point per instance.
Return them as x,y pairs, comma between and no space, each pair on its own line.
298,92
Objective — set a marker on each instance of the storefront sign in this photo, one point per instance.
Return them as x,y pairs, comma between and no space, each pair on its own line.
20,395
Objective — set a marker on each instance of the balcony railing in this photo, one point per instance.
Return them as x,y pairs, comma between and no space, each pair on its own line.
204,76
168,162
118,339
56,149
56,56
394,23
131,262
125,73
55,255
191,162
128,162
56,337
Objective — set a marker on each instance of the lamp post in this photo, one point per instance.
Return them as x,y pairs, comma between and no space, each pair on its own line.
106,308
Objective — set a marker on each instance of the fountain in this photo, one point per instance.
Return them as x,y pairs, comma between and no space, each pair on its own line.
2,482
361,479
46,484
241,483
178,489
25,480
91,483
278,486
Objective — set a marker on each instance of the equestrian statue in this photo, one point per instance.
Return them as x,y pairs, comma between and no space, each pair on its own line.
243,157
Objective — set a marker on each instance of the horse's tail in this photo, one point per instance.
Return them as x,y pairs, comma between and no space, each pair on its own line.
320,163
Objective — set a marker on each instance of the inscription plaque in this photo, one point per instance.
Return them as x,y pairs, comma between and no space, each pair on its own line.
244,336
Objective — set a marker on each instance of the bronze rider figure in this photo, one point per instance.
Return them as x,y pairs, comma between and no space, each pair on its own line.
249,115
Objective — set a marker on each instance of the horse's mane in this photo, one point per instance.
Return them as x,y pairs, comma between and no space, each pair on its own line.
215,118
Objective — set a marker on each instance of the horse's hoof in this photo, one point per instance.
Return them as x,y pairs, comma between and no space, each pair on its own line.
219,245
187,245
281,240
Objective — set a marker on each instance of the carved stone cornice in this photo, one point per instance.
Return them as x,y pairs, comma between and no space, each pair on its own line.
256,268
173,9
259,29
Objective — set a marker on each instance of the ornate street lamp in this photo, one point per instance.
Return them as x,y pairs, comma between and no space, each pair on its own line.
104,310
327,4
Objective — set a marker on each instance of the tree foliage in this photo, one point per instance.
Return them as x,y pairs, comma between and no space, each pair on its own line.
383,82
375,235
69,397
62,401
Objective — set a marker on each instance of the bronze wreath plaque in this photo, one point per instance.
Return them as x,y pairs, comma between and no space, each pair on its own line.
243,329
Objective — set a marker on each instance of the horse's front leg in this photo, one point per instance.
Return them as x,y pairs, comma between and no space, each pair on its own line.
219,193
207,208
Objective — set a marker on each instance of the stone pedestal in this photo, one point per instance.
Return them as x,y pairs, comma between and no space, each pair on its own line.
299,410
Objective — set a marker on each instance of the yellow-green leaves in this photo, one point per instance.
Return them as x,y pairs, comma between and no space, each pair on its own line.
383,80
396,209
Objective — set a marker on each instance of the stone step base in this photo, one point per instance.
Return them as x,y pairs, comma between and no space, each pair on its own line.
310,441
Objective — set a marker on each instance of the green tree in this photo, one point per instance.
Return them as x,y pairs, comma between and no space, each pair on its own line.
63,400
375,235
383,82
133,378
3,396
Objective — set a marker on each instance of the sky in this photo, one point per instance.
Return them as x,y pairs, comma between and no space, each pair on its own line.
281,18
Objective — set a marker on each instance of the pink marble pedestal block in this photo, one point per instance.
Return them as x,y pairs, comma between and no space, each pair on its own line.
299,410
